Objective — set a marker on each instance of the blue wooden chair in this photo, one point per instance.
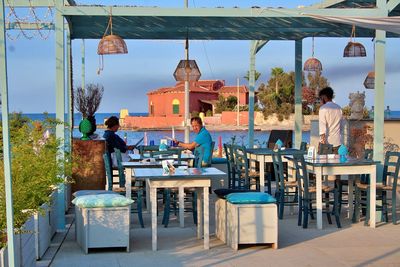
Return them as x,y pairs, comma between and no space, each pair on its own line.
286,191
389,184
137,191
245,178
230,164
307,194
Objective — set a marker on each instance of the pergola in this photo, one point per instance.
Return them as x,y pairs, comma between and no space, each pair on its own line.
331,18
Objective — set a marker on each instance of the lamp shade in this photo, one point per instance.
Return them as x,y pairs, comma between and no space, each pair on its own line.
187,70
312,64
112,44
369,82
354,49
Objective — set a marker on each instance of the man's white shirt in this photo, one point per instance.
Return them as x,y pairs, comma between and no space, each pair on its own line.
330,117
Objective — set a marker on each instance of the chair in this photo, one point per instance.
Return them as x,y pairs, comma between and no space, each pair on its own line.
143,149
137,191
286,191
389,184
307,194
244,178
303,146
230,164
286,136
325,149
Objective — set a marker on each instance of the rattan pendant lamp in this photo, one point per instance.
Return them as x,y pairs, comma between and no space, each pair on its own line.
354,49
187,70
110,44
369,82
312,64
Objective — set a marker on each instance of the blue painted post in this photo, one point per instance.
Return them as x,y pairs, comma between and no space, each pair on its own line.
60,105
298,109
252,71
6,140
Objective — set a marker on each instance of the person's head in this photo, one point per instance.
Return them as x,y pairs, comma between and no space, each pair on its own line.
326,95
196,123
112,123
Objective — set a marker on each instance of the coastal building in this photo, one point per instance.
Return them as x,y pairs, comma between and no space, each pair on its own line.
204,94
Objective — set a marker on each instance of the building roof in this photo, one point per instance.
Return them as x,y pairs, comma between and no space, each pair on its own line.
233,89
195,87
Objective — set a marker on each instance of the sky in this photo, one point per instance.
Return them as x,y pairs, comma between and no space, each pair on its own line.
150,64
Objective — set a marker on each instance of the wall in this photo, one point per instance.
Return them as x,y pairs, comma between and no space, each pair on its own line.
152,122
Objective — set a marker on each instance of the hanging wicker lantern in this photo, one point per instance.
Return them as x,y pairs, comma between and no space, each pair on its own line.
312,64
354,49
112,44
369,82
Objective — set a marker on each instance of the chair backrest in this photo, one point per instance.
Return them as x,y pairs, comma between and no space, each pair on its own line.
241,164
368,153
303,146
301,174
227,149
107,165
278,169
391,169
325,149
143,149
173,153
286,137
121,171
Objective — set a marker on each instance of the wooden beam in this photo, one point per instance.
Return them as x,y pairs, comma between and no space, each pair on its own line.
215,12
327,3
392,4
29,26
26,3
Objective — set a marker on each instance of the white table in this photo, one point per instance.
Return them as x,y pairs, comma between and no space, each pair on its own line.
323,166
193,177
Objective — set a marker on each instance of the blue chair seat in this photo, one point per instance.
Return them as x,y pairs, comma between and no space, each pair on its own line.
250,198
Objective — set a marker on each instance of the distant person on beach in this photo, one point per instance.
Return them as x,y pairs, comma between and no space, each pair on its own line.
330,117
202,143
112,139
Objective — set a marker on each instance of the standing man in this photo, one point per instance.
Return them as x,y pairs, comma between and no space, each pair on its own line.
202,144
330,117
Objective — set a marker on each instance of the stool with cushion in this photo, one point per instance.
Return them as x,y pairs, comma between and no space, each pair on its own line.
102,221
247,218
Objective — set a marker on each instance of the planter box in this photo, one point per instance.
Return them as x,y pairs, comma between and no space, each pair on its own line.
102,227
53,213
42,231
3,257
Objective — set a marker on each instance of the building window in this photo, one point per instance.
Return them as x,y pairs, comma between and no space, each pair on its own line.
175,106
151,109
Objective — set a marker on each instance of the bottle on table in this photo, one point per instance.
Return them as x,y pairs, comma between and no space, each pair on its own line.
126,138
387,112
371,113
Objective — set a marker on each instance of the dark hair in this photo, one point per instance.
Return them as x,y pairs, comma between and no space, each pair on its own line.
327,91
111,122
197,119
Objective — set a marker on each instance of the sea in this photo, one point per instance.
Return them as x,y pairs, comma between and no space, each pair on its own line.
134,136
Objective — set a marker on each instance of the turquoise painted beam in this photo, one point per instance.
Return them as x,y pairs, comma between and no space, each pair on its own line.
27,3
392,4
327,3
214,12
69,104
60,105
298,109
29,26
6,139
252,70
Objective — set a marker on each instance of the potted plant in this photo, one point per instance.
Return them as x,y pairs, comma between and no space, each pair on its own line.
87,102
35,171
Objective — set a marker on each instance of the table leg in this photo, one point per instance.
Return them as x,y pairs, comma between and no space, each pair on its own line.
181,207
319,198
351,195
206,218
260,159
372,203
199,214
153,193
148,204
128,183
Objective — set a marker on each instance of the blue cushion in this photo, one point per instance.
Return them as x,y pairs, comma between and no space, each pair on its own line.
102,201
223,192
92,192
250,198
218,161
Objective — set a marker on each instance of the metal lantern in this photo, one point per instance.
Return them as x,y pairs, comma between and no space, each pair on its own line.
187,70
369,82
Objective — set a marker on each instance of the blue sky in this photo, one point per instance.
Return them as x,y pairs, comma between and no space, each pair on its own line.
150,64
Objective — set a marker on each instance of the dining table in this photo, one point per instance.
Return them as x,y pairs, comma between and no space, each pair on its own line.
184,157
323,166
264,155
198,178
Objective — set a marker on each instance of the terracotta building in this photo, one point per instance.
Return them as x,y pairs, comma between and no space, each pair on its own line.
170,101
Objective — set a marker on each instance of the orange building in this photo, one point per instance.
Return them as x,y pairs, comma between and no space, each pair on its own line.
170,101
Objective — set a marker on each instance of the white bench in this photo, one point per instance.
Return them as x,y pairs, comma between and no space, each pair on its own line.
246,223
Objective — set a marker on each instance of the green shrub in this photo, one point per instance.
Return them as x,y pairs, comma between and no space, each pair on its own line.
209,113
35,168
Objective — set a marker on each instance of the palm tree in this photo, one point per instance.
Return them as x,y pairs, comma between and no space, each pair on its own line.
276,74
256,76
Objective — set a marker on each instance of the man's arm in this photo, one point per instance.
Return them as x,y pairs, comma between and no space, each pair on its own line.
322,126
189,146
